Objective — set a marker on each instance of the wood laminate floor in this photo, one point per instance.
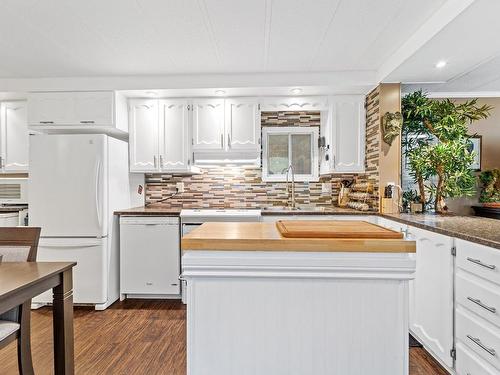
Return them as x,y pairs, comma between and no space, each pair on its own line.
134,337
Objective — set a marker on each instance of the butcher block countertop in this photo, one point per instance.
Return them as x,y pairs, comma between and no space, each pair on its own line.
227,236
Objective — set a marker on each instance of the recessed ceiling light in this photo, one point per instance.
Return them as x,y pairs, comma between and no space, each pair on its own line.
440,64
151,94
220,92
296,90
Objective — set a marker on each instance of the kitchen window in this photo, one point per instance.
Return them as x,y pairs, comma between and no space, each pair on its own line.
292,145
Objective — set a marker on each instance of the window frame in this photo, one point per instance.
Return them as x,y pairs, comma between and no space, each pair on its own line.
313,131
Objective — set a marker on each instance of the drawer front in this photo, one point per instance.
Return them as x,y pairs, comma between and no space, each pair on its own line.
470,364
478,335
479,296
480,260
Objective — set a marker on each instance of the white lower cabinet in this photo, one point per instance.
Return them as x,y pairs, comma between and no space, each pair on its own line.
477,308
455,302
149,256
431,294
468,363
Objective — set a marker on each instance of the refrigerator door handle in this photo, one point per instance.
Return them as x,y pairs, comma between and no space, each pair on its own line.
97,184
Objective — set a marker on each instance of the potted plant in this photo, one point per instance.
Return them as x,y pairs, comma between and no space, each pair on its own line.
436,143
490,191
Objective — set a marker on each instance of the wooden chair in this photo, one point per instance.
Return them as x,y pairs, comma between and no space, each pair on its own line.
18,244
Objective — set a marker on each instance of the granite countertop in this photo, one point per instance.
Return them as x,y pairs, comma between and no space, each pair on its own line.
470,228
158,210
278,211
151,210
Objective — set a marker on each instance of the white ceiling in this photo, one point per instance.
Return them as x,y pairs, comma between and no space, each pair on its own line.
322,45
53,38
470,45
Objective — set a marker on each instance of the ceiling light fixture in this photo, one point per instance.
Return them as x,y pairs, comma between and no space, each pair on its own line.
220,92
296,91
441,64
151,94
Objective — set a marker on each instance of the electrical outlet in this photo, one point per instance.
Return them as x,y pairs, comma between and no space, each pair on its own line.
180,187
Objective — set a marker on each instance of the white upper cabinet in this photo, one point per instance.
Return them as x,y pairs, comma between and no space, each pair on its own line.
144,135
242,124
348,115
208,124
174,134
50,108
94,108
344,131
160,136
14,137
79,111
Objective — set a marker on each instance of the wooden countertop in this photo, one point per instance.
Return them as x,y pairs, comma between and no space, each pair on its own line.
266,237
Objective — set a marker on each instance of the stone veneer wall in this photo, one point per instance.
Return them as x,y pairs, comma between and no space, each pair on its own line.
242,187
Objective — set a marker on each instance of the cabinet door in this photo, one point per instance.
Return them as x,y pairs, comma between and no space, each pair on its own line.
431,304
174,134
208,124
143,132
50,108
348,116
14,137
93,108
242,124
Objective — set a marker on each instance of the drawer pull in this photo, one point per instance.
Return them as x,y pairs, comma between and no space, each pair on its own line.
478,342
479,303
87,122
479,263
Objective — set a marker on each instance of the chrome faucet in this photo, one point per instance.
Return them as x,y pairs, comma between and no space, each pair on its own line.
289,170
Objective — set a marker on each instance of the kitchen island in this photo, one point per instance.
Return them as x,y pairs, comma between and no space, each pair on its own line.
261,303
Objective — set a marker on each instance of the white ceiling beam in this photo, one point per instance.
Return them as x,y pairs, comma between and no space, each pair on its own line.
442,17
332,79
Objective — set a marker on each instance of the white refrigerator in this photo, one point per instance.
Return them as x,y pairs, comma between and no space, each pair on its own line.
76,182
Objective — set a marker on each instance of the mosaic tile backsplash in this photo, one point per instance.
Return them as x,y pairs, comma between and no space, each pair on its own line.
242,186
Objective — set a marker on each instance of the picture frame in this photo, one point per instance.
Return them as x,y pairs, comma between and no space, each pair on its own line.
476,142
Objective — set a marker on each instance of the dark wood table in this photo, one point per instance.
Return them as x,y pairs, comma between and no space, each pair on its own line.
21,281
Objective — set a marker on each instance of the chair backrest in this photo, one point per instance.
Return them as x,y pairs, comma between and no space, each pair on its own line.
19,244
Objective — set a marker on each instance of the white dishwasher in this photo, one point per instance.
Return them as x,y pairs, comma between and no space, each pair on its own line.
149,257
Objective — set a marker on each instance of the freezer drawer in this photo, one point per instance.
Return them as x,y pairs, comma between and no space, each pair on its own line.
149,255
90,281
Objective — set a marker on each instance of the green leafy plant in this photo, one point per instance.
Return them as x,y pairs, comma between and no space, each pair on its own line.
436,143
490,192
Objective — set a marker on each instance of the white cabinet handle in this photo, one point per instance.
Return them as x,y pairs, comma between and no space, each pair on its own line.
87,122
46,122
222,140
479,263
228,140
154,161
161,161
479,303
478,342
